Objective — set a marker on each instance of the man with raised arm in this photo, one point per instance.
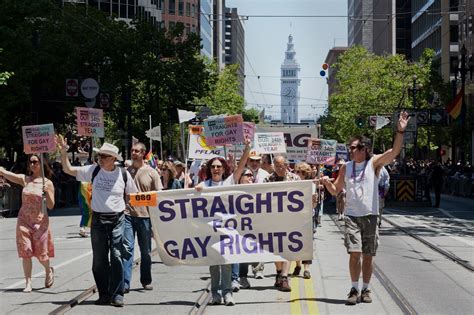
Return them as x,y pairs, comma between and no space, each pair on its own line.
360,180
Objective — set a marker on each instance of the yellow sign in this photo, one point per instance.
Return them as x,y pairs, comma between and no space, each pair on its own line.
406,190
145,199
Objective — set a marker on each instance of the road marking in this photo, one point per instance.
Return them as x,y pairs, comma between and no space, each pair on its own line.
67,262
295,305
310,296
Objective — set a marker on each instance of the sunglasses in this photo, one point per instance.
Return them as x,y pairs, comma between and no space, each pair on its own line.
359,146
35,162
248,175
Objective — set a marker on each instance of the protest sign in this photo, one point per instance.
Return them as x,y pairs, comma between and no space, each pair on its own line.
321,151
220,130
296,140
90,122
341,152
198,147
38,138
269,142
234,224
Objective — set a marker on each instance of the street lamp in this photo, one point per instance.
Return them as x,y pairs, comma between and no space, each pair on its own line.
414,89
463,71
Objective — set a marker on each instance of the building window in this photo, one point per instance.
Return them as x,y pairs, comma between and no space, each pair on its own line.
172,7
193,29
188,9
453,33
193,10
181,8
161,4
188,28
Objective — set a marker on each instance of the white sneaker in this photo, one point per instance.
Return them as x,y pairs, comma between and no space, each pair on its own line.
82,232
340,218
235,286
258,270
229,300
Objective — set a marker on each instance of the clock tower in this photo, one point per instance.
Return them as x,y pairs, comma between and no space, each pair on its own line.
289,85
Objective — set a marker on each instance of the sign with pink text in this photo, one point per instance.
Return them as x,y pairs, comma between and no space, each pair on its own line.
321,151
90,122
221,130
38,139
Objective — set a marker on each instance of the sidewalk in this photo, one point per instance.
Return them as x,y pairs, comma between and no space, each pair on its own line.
176,289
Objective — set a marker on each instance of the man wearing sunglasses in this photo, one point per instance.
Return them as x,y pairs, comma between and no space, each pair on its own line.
110,184
360,180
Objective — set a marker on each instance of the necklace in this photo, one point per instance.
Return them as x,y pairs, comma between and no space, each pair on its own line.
361,176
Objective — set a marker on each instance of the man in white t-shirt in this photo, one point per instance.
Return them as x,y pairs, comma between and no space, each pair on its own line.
360,180
110,184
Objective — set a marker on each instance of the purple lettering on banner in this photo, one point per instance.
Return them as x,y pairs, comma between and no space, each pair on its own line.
217,206
171,252
260,202
249,245
226,242
162,207
279,236
231,205
299,203
216,224
188,249
279,195
203,245
199,204
248,206
182,207
230,224
293,238
264,242
246,222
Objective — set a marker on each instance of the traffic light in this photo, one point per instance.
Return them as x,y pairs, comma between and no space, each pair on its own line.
359,122
324,67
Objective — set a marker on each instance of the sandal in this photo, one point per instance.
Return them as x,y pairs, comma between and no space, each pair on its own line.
49,281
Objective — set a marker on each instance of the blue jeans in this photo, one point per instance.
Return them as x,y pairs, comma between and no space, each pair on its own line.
142,228
235,272
107,236
221,279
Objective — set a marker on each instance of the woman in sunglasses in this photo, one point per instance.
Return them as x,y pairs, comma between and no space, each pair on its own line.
33,234
218,173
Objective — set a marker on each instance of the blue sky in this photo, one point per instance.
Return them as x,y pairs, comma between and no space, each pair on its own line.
265,44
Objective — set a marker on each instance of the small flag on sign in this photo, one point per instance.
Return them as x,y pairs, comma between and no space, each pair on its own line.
454,108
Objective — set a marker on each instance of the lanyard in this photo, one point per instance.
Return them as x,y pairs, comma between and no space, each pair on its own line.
353,175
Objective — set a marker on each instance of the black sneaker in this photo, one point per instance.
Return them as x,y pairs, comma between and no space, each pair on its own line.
126,290
103,300
352,297
365,296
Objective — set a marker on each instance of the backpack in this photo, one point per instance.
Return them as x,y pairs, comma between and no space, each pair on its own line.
122,170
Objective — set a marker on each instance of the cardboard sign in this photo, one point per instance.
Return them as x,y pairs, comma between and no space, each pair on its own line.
296,139
224,130
269,142
234,224
198,147
143,199
341,152
321,151
90,122
38,139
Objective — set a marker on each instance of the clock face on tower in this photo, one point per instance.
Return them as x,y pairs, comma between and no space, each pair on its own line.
289,92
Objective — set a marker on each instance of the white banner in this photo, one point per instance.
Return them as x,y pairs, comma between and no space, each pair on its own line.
234,224
296,139
198,148
269,142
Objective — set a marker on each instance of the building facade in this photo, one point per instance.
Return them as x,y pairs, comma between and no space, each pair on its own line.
185,12
289,84
331,59
206,31
234,44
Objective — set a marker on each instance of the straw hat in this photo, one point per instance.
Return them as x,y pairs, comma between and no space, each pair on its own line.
254,155
109,149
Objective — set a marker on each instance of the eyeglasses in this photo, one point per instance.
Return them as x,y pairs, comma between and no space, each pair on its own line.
103,156
35,162
216,166
248,175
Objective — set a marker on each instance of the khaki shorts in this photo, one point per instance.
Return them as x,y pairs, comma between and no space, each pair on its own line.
340,202
362,234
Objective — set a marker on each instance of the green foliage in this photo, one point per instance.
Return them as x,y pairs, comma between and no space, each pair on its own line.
44,45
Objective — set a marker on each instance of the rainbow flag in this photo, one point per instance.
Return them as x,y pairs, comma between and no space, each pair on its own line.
150,159
85,198
454,108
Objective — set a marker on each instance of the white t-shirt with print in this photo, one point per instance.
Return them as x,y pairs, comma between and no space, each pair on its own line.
107,189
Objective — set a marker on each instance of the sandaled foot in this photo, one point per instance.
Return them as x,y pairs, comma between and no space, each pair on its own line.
28,288
49,280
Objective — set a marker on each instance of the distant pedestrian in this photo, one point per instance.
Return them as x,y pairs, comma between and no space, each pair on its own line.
33,233
137,220
110,184
361,182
